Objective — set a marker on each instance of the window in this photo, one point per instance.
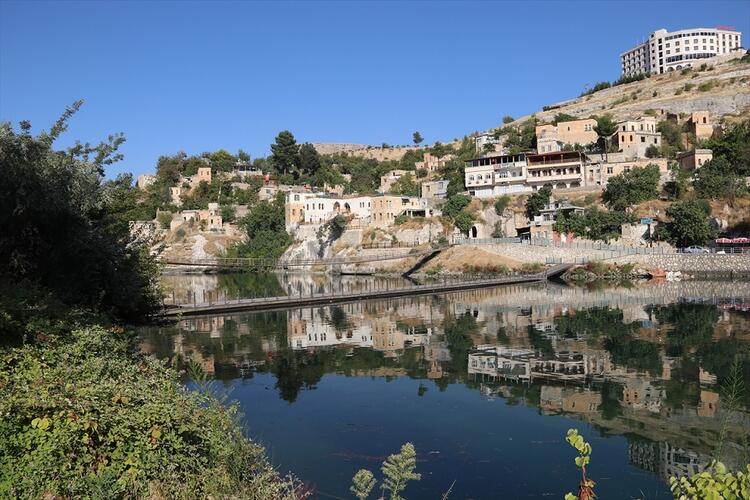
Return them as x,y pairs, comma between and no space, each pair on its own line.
643,139
610,170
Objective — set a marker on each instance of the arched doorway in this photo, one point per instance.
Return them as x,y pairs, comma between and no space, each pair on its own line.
474,231
336,207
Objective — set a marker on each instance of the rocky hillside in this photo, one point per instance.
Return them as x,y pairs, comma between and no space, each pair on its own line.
722,89
378,153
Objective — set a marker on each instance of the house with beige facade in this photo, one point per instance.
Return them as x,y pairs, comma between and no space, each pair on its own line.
635,136
432,163
559,170
552,137
699,124
386,208
600,171
437,188
696,158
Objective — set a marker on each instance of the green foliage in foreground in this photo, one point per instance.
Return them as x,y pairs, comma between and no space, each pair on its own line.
586,486
398,470
64,231
714,483
85,417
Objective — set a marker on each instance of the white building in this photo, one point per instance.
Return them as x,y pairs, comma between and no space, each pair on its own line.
496,175
319,208
666,51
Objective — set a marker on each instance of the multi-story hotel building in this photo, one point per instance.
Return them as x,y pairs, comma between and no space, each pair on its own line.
525,172
666,51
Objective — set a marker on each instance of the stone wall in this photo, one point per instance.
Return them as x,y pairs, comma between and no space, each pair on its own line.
691,263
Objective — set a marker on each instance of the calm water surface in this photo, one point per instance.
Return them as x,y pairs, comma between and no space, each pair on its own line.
484,383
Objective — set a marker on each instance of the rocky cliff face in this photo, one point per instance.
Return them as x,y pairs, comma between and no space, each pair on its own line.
724,90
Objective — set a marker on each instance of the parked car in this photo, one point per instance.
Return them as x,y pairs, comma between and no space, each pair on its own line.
696,249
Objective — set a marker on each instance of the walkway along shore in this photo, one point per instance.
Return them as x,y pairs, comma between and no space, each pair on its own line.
294,301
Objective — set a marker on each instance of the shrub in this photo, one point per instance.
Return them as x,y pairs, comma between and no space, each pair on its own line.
706,86
104,423
501,204
164,219
688,87
653,151
398,469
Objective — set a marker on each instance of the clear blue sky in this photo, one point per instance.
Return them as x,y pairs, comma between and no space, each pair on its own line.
198,76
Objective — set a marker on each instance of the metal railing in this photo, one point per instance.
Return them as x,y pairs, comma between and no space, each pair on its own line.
253,263
604,247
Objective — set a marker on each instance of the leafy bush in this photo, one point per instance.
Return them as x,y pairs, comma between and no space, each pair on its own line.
629,188
715,482
689,224
455,204
716,179
653,151
398,469
536,202
594,224
164,219
501,204
266,231
706,86
84,417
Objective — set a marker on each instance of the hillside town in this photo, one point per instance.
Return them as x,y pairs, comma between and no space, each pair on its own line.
441,273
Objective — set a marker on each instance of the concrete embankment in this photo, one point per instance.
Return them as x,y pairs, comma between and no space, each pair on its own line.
697,264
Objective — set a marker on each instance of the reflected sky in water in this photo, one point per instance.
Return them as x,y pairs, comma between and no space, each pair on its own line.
484,383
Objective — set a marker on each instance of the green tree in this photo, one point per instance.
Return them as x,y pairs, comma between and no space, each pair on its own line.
716,179
507,119
265,230
629,188
690,225
417,138
734,145
605,127
64,231
405,186
671,141
362,484
536,202
398,470
285,153
455,204
309,159
222,161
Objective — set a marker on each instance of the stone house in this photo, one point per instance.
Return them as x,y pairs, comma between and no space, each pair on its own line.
145,180
696,158
437,188
432,163
551,137
634,137
699,124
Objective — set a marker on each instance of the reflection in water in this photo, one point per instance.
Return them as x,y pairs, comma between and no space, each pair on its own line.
187,288
646,363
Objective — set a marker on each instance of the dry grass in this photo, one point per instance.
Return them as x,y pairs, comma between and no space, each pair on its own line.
458,259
